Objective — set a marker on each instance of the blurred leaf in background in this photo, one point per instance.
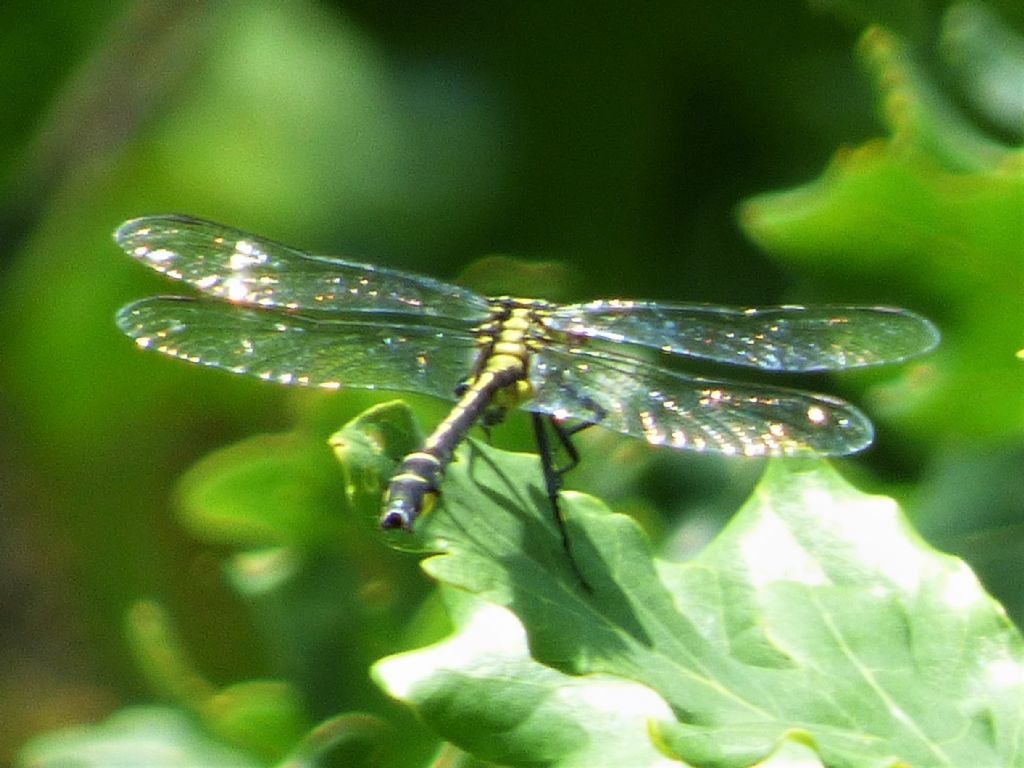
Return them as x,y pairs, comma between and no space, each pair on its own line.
617,141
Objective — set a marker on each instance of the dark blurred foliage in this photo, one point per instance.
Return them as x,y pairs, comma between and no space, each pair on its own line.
615,139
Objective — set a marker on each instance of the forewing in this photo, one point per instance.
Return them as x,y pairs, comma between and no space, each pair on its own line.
244,269
786,338
289,348
664,407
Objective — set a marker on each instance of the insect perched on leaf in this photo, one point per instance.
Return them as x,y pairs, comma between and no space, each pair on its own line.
286,316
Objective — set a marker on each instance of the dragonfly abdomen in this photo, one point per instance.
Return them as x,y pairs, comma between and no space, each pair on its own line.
412,490
501,381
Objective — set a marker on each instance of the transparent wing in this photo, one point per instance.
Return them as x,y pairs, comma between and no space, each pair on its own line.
244,269
292,349
786,338
664,407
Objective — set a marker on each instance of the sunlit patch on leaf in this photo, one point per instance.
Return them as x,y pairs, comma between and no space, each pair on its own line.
481,689
135,737
987,59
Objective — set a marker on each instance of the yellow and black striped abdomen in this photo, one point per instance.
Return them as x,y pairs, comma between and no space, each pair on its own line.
498,383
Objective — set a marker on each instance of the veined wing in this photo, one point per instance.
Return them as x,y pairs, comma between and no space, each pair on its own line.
244,269
289,348
664,407
785,338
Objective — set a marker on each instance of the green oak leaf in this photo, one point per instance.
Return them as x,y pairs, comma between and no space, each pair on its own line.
818,621
264,717
271,490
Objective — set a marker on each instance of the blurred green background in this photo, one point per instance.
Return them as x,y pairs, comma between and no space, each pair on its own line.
611,143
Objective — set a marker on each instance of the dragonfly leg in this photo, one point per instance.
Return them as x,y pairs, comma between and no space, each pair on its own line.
490,418
553,476
564,433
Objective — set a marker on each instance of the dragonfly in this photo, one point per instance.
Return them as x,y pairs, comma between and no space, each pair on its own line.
283,315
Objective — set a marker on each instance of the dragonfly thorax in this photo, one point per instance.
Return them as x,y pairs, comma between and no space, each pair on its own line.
506,342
